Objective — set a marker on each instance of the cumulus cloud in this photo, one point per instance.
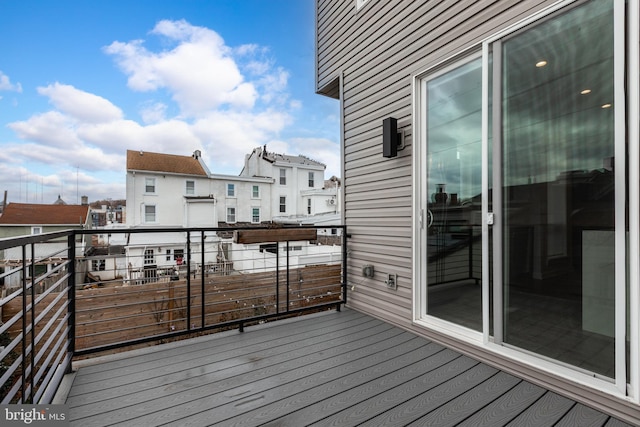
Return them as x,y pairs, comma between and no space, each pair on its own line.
51,129
153,112
324,151
199,71
5,84
81,105
202,95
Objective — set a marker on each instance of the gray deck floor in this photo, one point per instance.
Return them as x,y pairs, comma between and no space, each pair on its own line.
335,368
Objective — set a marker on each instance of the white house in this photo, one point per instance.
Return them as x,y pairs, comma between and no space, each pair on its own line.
298,182
179,191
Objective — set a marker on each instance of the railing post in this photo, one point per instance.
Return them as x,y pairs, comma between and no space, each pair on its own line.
344,265
277,277
188,319
32,353
202,285
71,295
24,321
288,281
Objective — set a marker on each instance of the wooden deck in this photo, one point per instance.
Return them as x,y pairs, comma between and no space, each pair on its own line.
334,368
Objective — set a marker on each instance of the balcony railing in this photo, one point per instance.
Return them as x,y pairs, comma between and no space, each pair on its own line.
72,294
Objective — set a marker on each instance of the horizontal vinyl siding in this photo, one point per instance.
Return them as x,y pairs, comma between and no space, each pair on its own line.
378,50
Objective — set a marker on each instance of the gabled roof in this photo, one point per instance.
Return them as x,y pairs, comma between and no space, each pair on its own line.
169,163
36,214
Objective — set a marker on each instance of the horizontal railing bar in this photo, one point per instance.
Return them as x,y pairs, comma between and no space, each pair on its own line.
56,378
42,333
54,370
11,242
49,274
9,373
196,230
50,290
222,325
45,366
19,315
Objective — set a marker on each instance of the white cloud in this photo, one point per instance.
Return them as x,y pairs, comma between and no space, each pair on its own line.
81,105
5,84
153,112
227,102
228,136
51,129
322,150
199,71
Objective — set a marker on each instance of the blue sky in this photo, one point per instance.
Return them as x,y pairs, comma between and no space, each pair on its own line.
83,81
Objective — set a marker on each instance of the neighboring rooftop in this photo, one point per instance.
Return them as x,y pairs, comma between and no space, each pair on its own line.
286,158
170,163
39,214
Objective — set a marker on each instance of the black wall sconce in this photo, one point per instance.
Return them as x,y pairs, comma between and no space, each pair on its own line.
392,140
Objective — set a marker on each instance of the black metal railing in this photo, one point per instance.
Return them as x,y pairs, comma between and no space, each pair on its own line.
75,293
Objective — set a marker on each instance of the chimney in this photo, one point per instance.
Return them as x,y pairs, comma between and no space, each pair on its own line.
85,200
197,154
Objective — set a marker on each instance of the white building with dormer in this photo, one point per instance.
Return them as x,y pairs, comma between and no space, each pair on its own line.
298,188
167,190
179,191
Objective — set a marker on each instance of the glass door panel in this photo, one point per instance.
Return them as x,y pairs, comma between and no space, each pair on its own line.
558,249
454,235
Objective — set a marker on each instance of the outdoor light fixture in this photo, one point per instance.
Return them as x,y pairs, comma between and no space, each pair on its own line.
392,140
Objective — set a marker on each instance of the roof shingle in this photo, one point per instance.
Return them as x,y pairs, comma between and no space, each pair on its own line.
170,163
38,214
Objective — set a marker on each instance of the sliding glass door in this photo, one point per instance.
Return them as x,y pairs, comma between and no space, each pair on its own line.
454,234
539,116
557,175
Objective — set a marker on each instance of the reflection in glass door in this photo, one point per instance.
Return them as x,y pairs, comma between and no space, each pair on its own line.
454,235
558,209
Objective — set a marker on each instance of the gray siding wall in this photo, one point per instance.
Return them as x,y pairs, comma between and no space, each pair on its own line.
367,58
377,50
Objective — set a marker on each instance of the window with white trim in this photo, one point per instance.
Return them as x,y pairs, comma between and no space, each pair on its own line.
150,185
283,176
231,215
255,215
150,213
231,190
190,188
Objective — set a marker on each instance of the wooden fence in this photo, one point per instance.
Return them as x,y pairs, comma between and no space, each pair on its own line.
115,314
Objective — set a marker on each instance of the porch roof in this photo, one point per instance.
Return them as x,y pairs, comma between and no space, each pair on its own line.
332,368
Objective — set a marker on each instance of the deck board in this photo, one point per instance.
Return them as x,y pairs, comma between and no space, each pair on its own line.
334,368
